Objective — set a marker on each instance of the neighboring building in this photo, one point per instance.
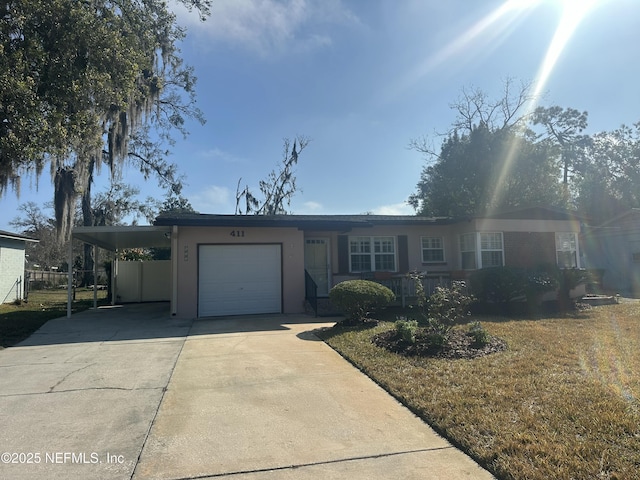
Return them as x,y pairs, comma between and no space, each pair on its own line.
12,260
613,247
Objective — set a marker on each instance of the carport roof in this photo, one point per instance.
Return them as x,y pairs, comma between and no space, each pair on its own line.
119,237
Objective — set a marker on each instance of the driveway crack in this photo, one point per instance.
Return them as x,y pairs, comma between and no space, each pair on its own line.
313,464
69,374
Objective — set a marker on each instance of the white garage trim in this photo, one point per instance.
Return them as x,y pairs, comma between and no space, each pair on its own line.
239,279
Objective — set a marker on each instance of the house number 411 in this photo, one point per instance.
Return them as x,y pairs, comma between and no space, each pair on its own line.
237,233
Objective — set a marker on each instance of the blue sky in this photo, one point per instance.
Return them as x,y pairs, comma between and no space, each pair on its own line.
361,78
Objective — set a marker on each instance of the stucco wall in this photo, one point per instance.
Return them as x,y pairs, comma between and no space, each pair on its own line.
11,269
189,238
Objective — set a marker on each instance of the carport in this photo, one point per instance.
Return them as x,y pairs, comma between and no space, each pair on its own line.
116,239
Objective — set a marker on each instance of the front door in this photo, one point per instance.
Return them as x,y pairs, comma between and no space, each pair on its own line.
316,262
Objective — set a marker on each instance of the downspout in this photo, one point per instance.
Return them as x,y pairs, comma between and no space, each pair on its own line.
174,270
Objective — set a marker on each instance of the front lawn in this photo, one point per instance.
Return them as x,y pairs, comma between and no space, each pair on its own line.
562,402
19,321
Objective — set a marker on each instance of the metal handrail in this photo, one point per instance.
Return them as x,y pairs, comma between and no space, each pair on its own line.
311,292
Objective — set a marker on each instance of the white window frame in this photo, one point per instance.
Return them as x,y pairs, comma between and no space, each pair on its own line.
369,249
479,242
484,247
430,248
570,245
467,243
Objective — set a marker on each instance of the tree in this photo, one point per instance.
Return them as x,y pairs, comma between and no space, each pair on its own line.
474,107
176,204
488,159
77,81
34,222
484,170
608,174
562,131
278,188
119,201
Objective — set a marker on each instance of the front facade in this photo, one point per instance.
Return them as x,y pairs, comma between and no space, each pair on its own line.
232,265
12,260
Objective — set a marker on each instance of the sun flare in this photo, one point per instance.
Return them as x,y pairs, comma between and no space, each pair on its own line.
571,15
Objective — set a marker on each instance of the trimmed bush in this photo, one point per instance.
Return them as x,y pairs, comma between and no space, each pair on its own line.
407,329
358,298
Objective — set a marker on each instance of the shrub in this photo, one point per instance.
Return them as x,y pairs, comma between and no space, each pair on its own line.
479,334
358,298
503,285
407,329
497,284
450,305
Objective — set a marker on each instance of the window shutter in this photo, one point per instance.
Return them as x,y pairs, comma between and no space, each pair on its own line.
403,253
343,254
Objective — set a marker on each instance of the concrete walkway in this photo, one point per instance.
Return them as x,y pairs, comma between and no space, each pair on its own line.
129,393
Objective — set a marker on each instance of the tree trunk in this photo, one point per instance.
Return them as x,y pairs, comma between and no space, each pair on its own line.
87,220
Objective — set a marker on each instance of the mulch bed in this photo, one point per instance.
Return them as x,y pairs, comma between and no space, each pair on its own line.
460,345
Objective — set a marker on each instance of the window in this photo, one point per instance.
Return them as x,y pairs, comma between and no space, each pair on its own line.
468,251
432,249
369,254
491,249
566,250
489,245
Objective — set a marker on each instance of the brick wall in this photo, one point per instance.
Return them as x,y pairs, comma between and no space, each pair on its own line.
529,249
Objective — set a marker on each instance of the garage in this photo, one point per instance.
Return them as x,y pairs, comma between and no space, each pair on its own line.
239,279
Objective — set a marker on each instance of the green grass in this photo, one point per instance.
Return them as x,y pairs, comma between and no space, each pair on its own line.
19,321
562,402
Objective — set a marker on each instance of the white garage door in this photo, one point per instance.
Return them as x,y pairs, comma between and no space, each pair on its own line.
239,279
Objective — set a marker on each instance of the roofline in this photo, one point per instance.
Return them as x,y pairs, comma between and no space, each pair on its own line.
92,235
302,222
17,236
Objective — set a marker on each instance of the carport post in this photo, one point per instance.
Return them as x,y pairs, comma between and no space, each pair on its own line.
95,276
174,270
114,273
70,277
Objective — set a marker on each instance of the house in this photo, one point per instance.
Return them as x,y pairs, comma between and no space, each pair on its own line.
230,265
613,247
249,264
12,260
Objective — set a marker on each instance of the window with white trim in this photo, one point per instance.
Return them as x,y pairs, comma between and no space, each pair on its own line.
468,251
481,250
432,249
491,251
372,254
567,249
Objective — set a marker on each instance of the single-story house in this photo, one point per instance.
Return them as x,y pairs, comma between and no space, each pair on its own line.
12,260
228,264
244,264
613,247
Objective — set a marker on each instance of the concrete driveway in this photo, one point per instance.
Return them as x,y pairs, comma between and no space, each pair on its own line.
129,393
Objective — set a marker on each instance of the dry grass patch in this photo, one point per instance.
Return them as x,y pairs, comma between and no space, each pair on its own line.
18,321
562,402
